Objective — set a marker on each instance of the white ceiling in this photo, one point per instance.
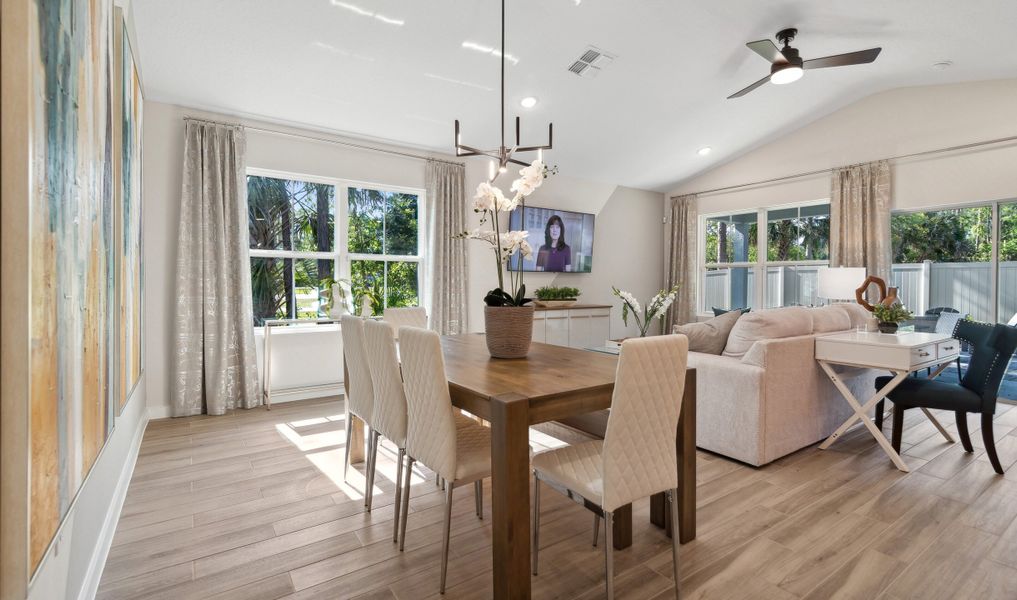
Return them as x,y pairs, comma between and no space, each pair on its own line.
343,65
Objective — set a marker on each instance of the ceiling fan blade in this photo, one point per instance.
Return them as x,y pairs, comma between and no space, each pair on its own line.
767,50
843,60
744,91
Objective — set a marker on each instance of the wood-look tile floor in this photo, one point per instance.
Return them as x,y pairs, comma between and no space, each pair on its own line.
253,506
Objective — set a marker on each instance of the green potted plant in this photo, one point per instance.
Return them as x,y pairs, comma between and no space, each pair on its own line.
553,296
890,317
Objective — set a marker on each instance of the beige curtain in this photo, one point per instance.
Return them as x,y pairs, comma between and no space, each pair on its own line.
446,257
214,367
860,218
680,259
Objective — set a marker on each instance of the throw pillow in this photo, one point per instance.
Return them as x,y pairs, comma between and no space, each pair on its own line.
720,311
767,325
709,337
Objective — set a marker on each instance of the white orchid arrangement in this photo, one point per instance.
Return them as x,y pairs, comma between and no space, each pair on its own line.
655,308
490,201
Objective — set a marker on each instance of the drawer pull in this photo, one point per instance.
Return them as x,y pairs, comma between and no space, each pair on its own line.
923,354
947,347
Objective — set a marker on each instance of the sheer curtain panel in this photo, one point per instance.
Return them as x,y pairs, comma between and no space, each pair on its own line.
214,367
860,218
446,257
680,259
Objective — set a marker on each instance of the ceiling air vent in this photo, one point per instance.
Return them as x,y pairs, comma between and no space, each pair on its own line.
591,62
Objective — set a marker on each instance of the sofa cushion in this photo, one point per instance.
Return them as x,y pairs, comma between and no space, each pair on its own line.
767,325
830,318
710,336
856,312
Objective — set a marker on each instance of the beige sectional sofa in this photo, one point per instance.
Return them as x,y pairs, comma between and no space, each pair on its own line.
765,396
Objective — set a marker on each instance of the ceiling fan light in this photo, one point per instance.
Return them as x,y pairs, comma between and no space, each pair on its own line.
788,74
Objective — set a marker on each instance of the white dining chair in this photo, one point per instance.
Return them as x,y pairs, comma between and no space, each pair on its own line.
359,395
412,316
637,457
459,451
389,400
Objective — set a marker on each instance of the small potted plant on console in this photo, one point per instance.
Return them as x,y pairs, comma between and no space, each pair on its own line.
891,316
555,297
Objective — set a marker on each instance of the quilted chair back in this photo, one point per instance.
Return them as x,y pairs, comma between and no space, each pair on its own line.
389,398
415,316
640,458
992,346
359,389
431,427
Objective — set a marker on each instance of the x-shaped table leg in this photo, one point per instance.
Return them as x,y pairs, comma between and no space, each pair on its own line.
862,409
928,414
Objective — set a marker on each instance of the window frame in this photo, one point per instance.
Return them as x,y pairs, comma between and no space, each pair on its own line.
341,256
760,266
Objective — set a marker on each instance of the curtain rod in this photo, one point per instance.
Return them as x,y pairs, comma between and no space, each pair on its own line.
328,141
1011,138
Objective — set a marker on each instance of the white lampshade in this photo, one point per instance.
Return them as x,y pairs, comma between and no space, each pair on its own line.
840,283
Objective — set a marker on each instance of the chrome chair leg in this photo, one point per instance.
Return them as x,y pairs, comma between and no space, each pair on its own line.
445,536
536,521
596,528
675,539
398,497
349,434
406,502
372,462
609,553
478,491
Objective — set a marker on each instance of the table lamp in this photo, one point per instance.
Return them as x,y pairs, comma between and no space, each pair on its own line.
839,283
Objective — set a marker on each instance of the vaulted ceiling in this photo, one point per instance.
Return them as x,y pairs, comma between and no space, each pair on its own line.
402,71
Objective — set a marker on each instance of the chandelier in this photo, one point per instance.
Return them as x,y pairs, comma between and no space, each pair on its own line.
503,154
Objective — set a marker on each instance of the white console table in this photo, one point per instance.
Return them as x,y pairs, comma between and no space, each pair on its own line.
577,326
898,353
271,324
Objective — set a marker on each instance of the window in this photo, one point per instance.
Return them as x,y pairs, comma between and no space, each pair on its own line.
730,255
297,232
962,259
797,246
742,269
384,246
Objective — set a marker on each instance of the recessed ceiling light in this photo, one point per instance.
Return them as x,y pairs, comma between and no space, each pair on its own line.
704,151
942,65
528,102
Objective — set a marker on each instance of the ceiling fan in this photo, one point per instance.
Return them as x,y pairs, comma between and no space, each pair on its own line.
787,66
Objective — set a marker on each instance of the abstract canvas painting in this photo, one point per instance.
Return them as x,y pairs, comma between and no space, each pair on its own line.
72,290
129,221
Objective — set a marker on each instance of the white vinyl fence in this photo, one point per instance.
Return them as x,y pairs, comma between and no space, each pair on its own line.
966,287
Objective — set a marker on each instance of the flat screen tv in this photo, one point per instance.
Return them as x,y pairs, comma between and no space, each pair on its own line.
562,240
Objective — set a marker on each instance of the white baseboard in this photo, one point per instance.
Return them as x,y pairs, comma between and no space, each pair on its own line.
90,586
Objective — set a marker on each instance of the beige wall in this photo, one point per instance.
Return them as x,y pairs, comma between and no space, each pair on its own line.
892,123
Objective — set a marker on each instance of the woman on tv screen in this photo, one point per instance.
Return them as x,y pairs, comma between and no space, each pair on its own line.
555,255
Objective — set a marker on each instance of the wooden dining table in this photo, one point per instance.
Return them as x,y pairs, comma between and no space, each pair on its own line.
553,383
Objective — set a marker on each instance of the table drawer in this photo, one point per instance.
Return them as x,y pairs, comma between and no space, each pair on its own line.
923,354
947,348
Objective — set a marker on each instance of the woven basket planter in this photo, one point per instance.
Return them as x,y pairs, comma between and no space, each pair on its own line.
509,330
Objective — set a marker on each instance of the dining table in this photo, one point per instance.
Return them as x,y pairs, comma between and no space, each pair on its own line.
552,383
